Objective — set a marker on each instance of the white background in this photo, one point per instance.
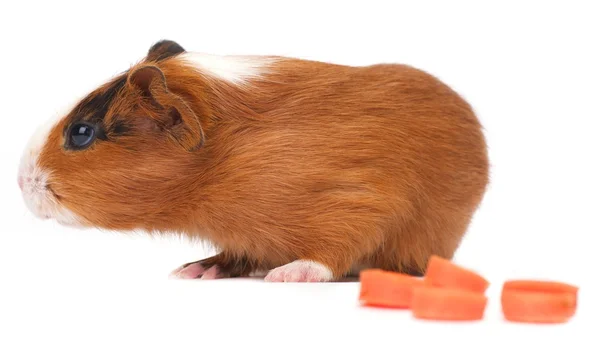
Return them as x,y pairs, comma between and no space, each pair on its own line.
529,69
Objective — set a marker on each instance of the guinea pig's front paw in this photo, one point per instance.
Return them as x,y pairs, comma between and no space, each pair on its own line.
300,271
195,270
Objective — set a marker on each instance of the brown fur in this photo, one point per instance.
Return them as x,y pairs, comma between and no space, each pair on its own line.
378,166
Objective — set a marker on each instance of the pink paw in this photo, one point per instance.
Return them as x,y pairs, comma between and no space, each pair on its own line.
212,273
195,270
300,271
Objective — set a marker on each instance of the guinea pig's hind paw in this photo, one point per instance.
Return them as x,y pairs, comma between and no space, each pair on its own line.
300,271
195,270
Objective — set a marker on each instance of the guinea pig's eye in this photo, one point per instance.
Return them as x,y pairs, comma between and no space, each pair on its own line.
81,135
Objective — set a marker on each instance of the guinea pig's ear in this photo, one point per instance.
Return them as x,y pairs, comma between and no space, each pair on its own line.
164,49
171,113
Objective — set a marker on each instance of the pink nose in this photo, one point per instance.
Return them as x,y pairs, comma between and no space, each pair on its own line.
20,180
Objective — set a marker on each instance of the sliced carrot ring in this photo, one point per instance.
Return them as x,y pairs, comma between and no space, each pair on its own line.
443,273
541,286
447,304
379,288
534,301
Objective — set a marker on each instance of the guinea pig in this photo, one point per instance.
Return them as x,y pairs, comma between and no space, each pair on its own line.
301,170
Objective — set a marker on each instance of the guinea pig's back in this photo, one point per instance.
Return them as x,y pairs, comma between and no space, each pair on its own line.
387,120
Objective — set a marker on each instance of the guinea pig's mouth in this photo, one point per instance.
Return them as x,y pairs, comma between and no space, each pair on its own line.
45,203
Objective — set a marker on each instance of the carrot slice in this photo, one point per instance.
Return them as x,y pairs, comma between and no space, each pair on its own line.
443,273
541,286
534,301
447,304
379,288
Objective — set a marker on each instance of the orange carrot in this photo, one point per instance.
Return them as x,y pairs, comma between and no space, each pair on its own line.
534,301
541,286
443,273
379,288
447,304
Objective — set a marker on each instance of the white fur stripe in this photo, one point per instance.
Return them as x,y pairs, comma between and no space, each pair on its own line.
235,69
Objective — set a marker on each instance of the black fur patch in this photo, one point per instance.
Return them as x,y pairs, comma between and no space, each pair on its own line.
93,109
164,49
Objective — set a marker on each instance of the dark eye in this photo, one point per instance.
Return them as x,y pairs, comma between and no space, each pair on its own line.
81,135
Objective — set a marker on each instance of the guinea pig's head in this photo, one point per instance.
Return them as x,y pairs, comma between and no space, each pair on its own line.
118,158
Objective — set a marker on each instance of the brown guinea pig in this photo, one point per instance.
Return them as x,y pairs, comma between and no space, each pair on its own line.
303,170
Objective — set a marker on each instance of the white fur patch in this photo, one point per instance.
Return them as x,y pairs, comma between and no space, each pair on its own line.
300,271
35,180
38,139
235,69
